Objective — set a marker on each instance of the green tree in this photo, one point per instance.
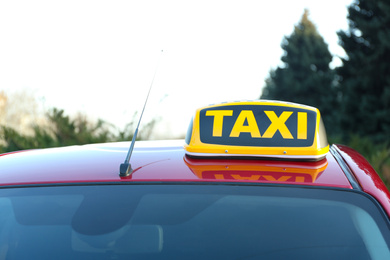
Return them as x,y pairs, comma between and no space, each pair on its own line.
62,130
21,127
365,74
305,76
79,130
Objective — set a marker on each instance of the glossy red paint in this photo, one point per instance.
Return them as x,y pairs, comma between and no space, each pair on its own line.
4,154
368,179
158,161
325,172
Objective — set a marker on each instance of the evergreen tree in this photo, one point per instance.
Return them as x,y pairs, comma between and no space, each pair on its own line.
365,74
305,76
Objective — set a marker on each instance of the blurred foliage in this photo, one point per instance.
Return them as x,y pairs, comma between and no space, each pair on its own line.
354,99
305,76
364,77
364,82
62,130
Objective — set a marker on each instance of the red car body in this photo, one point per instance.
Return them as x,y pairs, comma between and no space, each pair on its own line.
200,198
166,161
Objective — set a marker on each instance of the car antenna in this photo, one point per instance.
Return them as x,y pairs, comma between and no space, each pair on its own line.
125,168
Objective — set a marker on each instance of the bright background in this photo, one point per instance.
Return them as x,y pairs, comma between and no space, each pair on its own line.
99,57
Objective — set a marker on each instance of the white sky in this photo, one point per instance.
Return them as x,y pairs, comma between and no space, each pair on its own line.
99,57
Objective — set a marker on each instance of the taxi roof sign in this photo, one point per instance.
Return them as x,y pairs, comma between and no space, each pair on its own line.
257,128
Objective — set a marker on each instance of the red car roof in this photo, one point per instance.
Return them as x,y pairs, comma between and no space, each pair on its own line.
158,161
166,161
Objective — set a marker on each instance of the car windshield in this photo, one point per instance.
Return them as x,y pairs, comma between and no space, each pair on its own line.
190,221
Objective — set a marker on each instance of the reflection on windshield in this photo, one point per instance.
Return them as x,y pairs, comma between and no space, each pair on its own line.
189,222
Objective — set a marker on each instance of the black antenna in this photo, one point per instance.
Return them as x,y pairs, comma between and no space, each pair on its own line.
125,168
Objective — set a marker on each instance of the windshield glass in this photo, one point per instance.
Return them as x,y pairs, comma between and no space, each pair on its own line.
201,221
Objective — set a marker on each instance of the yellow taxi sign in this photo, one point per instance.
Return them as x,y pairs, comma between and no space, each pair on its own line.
257,128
